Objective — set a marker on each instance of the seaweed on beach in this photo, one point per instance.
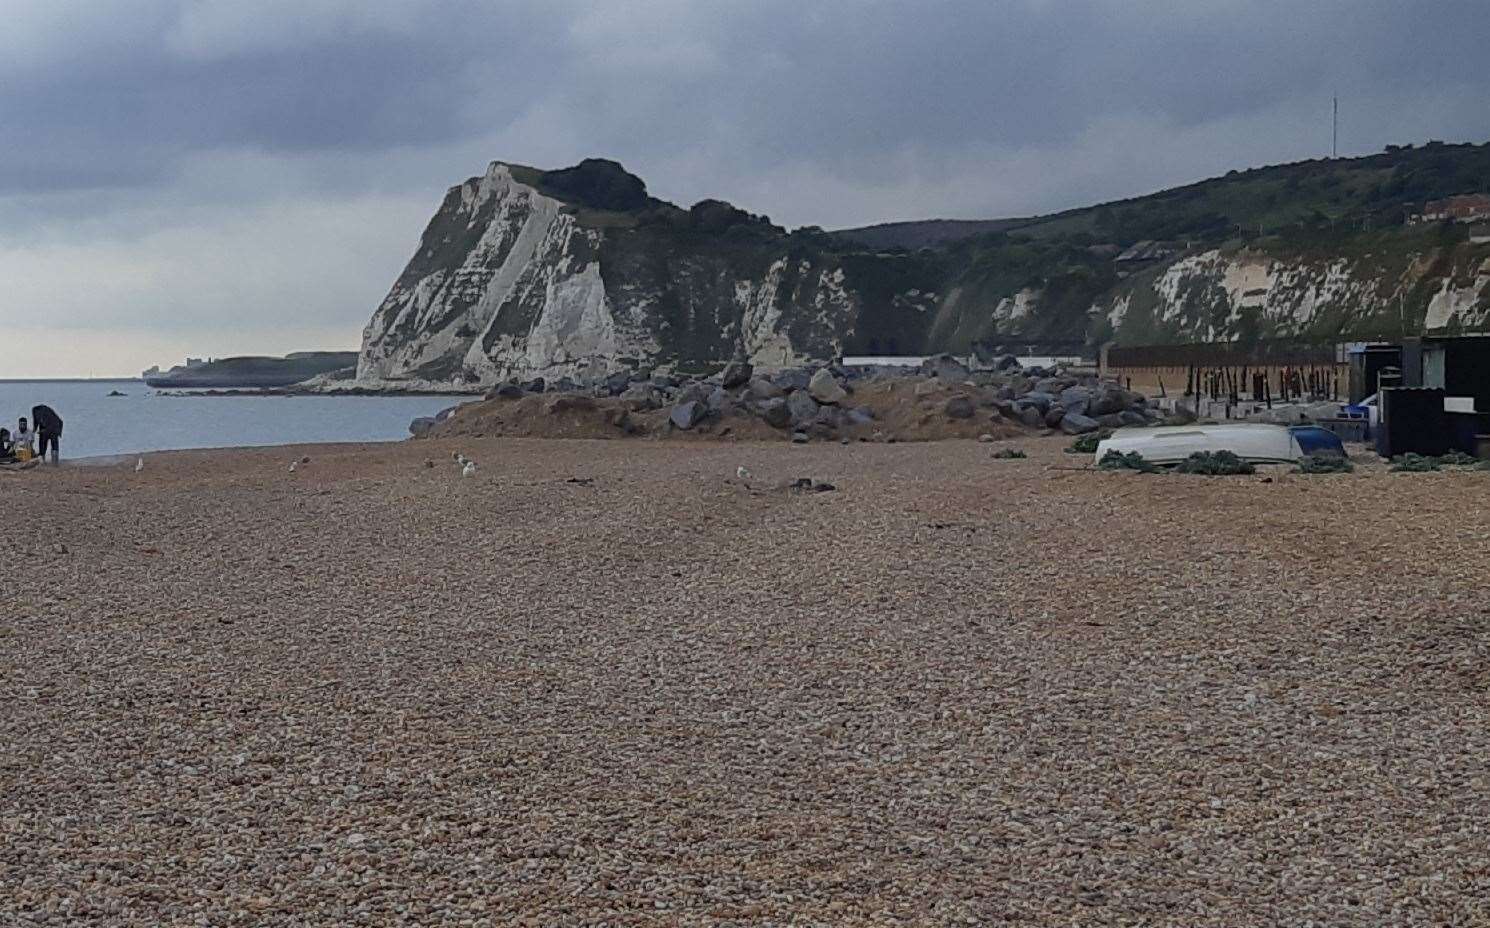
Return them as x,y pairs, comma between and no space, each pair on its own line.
1215,464
1132,460
1411,463
1087,444
1324,464
1009,454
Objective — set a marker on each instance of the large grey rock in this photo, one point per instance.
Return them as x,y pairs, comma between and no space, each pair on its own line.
421,425
694,392
1073,424
1032,417
506,391
774,412
1132,417
803,408
825,388
828,418
1112,420
959,407
1054,415
1006,362
717,399
1038,399
1110,398
735,374
535,385
792,378
763,389
639,397
944,367
687,415
860,415
617,383
1076,400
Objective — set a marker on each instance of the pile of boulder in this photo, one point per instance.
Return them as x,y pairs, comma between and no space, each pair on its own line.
806,401
819,401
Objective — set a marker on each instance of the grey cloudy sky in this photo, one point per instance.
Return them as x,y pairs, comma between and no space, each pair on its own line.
233,176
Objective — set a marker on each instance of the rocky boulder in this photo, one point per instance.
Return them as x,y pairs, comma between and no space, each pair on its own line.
640,397
792,378
1074,424
959,407
617,383
825,388
763,389
687,415
774,412
803,408
735,374
944,367
1077,400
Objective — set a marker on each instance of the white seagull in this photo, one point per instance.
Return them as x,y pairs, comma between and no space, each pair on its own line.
293,465
139,464
469,470
742,473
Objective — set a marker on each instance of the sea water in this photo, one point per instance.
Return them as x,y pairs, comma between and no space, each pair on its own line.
95,423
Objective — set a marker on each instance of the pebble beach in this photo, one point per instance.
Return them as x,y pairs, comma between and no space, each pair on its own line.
612,683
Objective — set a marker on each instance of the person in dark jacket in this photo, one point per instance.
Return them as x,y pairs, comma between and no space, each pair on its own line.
48,429
7,450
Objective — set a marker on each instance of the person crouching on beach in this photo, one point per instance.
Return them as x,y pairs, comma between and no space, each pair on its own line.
23,442
7,451
48,429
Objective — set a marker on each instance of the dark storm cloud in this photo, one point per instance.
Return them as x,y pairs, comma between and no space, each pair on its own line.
831,84
177,141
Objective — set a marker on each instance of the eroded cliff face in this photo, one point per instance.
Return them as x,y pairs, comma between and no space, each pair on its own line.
579,274
510,281
1244,294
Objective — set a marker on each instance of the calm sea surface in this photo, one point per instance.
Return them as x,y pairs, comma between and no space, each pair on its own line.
97,424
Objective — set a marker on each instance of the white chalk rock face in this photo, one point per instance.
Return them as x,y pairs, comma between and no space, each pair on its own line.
578,274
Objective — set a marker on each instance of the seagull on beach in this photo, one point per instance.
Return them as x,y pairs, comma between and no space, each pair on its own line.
139,464
293,465
469,470
742,473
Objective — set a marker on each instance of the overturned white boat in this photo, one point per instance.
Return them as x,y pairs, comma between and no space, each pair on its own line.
1260,444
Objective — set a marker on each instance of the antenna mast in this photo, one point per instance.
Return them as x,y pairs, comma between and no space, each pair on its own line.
1335,127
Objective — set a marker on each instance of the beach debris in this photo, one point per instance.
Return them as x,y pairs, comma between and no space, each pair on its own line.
468,469
428,463
305,459
1009,454
139,464
293,465
808,485
743,473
